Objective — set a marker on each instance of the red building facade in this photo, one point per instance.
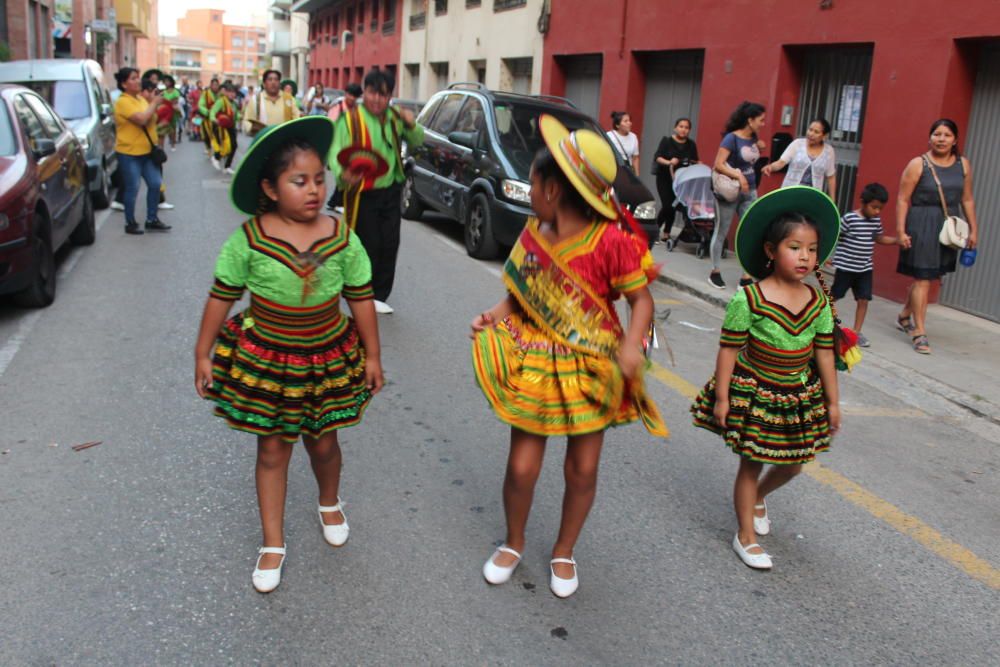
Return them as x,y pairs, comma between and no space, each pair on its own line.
880,72
349,37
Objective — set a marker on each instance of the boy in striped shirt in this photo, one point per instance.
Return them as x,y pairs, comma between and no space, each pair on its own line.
860,230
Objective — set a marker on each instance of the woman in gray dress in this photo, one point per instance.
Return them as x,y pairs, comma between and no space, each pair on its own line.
919,217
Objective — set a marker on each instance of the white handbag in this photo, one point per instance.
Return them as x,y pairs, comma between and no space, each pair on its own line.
726,187
954,230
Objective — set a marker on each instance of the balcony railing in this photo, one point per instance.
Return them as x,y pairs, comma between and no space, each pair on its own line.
193,64
389,27
472,4
440,7
501,5
418,21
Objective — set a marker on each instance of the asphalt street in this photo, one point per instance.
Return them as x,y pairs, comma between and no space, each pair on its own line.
139,550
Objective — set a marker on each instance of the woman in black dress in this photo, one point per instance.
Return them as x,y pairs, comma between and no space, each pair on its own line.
919,217
674,152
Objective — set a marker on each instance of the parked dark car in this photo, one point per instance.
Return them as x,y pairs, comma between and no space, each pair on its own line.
477,153
43,195
75,89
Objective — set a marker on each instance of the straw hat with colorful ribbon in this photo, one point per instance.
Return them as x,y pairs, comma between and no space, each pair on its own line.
587,160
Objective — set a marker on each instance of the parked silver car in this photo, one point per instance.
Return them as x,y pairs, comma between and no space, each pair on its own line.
75,89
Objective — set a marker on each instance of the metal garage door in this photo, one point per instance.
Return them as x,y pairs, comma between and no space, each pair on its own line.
673,90
977,290
583,82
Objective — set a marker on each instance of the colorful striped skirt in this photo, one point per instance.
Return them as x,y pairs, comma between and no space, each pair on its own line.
777,411
280,370
541,387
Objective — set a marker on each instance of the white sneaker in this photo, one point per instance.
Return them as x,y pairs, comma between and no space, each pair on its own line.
117,206
229,170
759,561
334,534
383,308
165,206
498,574
266,581
216,164
761,524
173,149
563,588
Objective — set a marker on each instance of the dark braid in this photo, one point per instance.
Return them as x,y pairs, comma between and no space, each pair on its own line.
829,296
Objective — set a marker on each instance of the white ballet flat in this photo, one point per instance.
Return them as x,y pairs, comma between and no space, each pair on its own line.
563,588
335,535
761,524
266,581
496,574
757,561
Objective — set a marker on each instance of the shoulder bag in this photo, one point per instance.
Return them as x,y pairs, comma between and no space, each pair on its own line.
954,230
726,187
621,147
157,154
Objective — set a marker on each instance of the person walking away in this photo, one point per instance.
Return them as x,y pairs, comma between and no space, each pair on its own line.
225,115
624,140
920,212
291,366
674,152
860,230
774,397
552,365
269,106
135,122
811,160
374,211
737,154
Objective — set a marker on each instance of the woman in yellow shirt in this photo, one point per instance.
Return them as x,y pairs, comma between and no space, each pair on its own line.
135,119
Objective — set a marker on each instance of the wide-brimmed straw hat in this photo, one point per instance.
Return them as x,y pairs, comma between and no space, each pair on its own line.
801,199
244,191
587,160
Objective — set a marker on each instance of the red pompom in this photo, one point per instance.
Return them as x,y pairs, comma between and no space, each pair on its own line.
223,120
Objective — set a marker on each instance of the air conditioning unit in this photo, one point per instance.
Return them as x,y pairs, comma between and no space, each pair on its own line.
345,37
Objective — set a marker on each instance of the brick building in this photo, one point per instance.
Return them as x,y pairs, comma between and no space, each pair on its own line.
238,53
27,28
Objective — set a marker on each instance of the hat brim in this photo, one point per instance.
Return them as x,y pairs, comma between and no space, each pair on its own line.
369,163
157,72
244,191
810,202
553,132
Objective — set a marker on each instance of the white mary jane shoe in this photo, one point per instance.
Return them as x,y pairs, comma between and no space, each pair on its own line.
563,588
496,574
757,561
336,534
266,581
761,524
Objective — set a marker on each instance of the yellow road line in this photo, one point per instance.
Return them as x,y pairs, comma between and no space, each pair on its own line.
908,525
667,302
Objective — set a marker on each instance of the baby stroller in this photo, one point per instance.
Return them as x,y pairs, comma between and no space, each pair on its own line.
696,203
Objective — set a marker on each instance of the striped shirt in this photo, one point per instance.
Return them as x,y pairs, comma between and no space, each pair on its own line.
857,242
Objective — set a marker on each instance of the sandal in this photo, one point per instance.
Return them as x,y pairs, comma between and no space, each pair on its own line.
905,324
921,345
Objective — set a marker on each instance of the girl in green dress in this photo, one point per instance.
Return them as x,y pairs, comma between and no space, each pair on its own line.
171,96
774,396
291,365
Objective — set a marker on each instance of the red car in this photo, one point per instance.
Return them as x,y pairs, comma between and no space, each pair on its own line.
43,195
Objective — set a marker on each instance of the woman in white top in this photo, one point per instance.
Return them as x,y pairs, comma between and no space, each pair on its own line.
811,160
623,139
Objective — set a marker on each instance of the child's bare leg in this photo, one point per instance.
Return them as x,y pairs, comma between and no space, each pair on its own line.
744,498
583,454
524,464
273,455
326,459
775,478
859,314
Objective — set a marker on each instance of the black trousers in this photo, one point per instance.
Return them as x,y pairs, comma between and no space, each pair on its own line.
378,230
232,141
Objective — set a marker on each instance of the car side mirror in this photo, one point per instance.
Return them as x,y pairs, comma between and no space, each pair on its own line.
105,110
469,140
44,147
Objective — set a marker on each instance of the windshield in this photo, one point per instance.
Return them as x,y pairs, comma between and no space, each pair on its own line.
7,143
68,98
517,125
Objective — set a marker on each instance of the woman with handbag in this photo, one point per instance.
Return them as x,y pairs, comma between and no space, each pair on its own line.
935,187
734,180
624,140
135,120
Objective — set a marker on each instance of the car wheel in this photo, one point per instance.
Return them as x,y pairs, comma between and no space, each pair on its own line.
42,290
102,198
670,243
86,231
479,240
409,201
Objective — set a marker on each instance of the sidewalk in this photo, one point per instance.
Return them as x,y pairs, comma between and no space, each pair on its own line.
964,368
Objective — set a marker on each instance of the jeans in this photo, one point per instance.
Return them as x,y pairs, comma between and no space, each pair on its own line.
724,211
134,167
378,230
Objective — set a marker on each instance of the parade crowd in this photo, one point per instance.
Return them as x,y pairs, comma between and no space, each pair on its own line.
551,356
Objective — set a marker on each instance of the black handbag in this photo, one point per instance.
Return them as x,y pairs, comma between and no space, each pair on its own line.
157,155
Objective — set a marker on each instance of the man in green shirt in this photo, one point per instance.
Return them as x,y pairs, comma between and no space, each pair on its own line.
378,217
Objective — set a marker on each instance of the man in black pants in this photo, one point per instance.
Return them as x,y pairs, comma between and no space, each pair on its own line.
378,217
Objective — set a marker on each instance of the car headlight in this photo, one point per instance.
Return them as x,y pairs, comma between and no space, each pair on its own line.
645,211
516,190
